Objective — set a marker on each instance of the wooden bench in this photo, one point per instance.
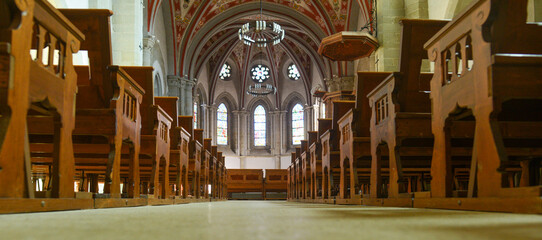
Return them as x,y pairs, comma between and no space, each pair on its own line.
219,176
205,166
355,140
195,161
311,180
155,137
401,117
329,97
185,125
245,181
276,181
169,105
194,155
487,74
41,85
223,184
298,173
107,97
330,150
315,150
304,161
213,173
292,178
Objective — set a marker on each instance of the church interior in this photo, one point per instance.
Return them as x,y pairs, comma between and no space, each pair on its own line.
271,119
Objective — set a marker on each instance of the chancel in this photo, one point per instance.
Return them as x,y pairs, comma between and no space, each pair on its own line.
271,119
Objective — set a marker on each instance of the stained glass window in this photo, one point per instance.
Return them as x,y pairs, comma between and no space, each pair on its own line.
293,72
259,126
222,125
225,72
297,124
195,114
260,73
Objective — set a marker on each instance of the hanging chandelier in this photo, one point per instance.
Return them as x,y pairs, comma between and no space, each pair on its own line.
261,27
261,89
260,32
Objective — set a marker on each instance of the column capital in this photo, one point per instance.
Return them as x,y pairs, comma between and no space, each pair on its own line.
148,42
174,81
188,82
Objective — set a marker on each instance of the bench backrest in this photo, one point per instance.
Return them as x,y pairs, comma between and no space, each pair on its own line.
96,25
169,104
367,81
413,95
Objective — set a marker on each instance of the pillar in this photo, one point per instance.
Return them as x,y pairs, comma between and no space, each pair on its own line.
126,37
389,12
174,89
241,117
148,46
187,85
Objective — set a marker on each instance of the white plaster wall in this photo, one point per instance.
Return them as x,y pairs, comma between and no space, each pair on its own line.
233,163
127,32
260,162
285,162
437,8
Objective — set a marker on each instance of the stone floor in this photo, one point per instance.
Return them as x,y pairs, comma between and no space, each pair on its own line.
269,220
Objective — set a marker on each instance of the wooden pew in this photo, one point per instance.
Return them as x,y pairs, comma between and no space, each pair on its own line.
194,155
330,151
177,135
109,98
213,171
155,139
186,123
223,179
245,181
312,137
315,150
196,160
355,140
205,166
292,178
304,161
487,83
276,180
218,175
329,97
298,173
41,85
401,118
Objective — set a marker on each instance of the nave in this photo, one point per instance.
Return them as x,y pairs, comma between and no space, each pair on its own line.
269,220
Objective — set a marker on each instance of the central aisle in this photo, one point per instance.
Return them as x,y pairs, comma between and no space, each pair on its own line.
268,220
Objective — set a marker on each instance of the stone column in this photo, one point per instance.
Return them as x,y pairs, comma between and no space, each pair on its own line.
534,11
242,132
309,114
389,12
212,122
186,95
100,4
207,120
315,114
283,118
174,89
148,46
127,34
416,9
